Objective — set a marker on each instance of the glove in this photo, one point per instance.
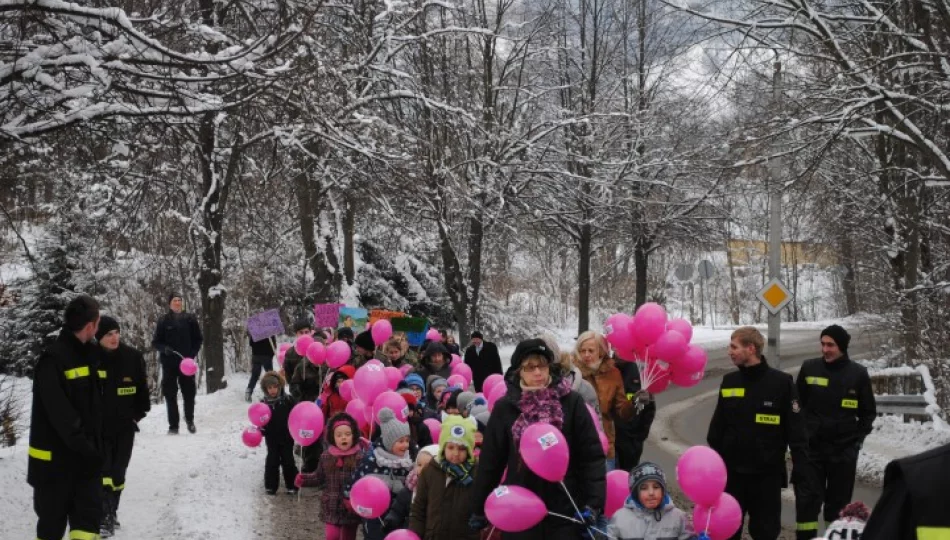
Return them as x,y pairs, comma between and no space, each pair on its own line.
477,522
169,351
390,522
643,398
298,480
588,517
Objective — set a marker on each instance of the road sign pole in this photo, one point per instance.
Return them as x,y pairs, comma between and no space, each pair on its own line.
773,351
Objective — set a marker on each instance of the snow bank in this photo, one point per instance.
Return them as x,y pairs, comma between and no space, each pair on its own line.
893,439
206,486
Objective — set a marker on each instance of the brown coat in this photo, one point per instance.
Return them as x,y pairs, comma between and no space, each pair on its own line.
441,509
608,383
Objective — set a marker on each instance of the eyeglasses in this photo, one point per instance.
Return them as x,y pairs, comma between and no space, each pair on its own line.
534,367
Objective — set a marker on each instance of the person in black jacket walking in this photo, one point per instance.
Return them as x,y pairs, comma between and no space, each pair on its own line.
839,409
482,356
914,503
125,402
538,393
280,445
177,336
756,419
262,359
66,428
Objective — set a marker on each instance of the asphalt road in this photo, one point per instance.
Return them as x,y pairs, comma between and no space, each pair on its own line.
689,427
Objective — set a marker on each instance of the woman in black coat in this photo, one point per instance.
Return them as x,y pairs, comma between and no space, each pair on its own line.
537,393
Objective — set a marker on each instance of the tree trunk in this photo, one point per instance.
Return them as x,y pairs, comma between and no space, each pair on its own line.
349,234
641,259
848,280
476,237
326,283
583,278
733,288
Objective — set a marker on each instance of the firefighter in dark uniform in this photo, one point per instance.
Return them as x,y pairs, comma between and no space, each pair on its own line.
914,504
839,410
125,401
177,336
632,435
757,417
65,429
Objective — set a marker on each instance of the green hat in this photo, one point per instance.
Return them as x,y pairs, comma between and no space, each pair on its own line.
459,431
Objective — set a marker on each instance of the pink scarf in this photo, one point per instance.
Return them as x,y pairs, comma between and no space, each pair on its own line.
340,454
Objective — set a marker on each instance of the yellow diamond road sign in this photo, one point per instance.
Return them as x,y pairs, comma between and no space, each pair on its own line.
774,296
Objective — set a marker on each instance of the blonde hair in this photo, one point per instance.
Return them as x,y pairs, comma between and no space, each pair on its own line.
597,337
748,335
393,342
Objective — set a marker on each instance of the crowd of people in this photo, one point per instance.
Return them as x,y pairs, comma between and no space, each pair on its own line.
90,391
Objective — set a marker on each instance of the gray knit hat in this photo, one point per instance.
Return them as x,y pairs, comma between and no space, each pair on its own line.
392,429
646,471
465,400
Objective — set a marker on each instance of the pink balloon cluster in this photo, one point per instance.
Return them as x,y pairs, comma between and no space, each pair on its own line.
701,474
660,346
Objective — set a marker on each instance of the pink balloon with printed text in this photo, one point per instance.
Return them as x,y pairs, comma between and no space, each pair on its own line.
370,497
251,437
617,331
394,402
544,450
514,508
305,423
259,414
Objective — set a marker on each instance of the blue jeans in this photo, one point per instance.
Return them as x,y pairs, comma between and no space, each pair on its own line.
611,464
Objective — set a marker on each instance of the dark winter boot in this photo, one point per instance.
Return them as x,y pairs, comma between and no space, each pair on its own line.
116,495
107,527
192,428
247,395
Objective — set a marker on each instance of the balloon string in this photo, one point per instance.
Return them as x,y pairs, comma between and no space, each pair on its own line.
574,504
572,520
708,520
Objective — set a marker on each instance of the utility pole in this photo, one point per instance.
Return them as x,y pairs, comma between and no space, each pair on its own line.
773,350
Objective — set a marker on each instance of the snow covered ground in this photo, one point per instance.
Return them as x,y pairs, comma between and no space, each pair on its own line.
204,486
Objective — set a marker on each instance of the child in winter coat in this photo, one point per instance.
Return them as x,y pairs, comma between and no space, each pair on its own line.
437,386
398,515
415,383
345,451
445,496
280,445
331,402
649,513
389,460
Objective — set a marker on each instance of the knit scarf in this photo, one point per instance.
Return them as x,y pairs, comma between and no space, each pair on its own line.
540,405
460,473
388,459
341,454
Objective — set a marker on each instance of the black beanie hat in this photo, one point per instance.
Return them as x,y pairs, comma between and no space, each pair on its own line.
344,333
477,334
173,296
365,340
839,334
106,325
531,346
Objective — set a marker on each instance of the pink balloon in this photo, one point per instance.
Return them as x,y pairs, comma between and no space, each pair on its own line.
595,418
394,376
617,331
456,360
394,402
317,353
497,393
604,442
283,347
464,370
514,508
251,437
545,451
682,326
491,381
356,409
405,369
701,474
457,380
381,331
649,323
374,362
370,381
280,358
723,519
370,497
346,390
618,489
305,423
661,379
188,367
259,414
434,335
671,346
338,354
630,355
402,534
302,343
691,368
435,429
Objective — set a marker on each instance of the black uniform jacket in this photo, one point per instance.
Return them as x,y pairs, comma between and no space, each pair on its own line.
757,417
65,427
838,404
125,395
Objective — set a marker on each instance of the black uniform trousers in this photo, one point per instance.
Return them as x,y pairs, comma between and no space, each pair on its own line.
258,364
280,456
71,499
628,451
171,380
759,496
834,487
117,451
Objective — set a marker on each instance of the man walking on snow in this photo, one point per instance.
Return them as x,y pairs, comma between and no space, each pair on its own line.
66,429
177,336
482,356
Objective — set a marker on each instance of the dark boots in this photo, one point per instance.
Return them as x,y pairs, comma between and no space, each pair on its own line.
107,525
